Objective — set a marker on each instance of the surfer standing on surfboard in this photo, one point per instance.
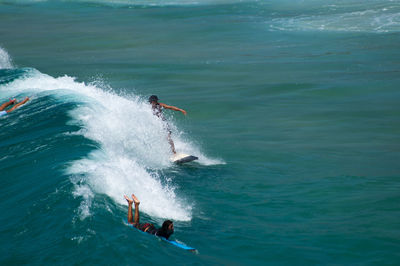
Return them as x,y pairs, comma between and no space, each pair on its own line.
166,230
157,110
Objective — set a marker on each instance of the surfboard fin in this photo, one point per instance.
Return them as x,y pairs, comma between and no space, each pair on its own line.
180,158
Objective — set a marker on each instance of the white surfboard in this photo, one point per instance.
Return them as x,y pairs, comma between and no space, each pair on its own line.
183,158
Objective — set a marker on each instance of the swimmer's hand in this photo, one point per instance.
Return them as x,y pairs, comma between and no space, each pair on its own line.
25,100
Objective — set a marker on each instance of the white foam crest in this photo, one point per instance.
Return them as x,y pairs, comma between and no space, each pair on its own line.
119,175
125,126
87,195
371,20
132,142
5,60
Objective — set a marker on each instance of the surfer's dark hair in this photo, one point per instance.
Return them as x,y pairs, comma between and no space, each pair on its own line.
164,231
153,98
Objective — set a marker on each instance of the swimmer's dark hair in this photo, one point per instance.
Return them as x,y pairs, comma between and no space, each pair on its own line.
153,98
164,231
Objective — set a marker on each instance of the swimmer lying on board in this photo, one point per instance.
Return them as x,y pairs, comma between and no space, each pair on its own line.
166,230
11,102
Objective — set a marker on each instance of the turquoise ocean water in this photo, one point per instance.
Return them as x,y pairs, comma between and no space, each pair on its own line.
293,110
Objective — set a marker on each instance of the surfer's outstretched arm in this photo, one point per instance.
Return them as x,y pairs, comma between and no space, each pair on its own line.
173,108
6,104
18,105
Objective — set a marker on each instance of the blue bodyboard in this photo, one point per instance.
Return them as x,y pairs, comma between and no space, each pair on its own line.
179,245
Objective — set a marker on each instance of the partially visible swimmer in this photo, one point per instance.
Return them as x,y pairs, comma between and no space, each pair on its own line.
157,110
11,102
166,230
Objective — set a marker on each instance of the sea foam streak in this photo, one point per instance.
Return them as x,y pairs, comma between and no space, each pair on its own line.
132,144
5,60
130,3
341,16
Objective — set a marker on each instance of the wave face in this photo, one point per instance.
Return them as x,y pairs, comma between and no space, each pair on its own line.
131,147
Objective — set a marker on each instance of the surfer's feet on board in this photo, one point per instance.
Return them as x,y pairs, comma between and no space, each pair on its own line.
137,202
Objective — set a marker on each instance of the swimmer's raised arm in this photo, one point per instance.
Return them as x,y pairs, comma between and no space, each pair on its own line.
18,105
6,104
172,108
